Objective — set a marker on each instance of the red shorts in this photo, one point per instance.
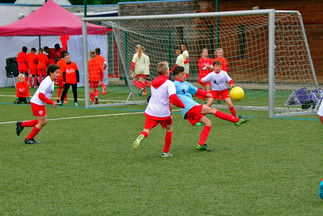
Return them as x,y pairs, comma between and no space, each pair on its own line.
194,114
220,95
38,110
151,122
41,72
141,75
94,84
32,71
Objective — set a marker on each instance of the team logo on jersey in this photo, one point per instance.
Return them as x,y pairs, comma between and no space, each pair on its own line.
183,91
215,82
40,112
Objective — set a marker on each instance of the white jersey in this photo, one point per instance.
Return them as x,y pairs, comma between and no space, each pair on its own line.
218,80
47,88
180,60
320,111
142,64
187,65
158,105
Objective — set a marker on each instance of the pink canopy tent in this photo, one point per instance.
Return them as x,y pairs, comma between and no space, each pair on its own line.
51,19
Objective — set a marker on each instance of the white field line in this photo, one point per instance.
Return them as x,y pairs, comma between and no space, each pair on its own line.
81,117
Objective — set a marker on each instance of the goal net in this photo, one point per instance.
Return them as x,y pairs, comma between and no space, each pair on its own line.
266,51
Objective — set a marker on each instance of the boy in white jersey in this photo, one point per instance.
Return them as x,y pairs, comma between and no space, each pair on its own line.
179,59
158,109
38,101
186,58
219,79
195,112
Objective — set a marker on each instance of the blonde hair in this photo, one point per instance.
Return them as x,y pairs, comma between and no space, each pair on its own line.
218,49
92,54
21,75
162,68
139,50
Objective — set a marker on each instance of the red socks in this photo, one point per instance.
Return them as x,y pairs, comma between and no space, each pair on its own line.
102,85
204,134
31,123
30,81
35,81
225,116
92,96
138,84
96,92
33,133
168,140
144,133
233,111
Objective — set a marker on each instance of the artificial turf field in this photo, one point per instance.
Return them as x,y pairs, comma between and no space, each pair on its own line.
84,165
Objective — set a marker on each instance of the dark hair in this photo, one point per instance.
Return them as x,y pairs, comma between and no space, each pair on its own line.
217,63
46,47
33,49
57,46
52,68
178,69
24,49
97,51
183,43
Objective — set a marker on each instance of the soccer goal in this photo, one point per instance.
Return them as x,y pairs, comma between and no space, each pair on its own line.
266,50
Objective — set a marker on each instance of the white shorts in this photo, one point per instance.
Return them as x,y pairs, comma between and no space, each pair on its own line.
320,112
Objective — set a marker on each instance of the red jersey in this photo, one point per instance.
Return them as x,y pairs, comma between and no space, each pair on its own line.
223,62
70,73
59,53
32,63
52,53
61,63
22,60
42,60
202,63
22,89
95,69
100,59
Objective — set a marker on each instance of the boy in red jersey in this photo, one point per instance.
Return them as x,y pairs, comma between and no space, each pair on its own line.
42,60
71,77
195,112
60,81
219,79
22,60
102,61
32,65
95,69
205,66
38,102
158,109
219,57
52,54
22,90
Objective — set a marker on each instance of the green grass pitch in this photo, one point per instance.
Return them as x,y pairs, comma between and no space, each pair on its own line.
86,166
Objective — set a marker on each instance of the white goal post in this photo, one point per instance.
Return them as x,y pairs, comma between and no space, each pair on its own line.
266,50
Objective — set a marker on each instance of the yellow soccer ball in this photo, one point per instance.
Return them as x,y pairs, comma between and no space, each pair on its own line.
236,93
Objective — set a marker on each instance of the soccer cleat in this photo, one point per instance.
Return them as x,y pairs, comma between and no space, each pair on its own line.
321,189
202,147
19,128
141,91
60,103
242,121
198,124
144,93
75,104
136,144
30,141
96,100
104,91
65,101
165,155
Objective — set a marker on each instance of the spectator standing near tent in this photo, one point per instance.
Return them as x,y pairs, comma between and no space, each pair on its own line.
22,60
32,65
42,62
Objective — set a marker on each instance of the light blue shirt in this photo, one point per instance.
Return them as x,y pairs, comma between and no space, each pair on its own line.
184,91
